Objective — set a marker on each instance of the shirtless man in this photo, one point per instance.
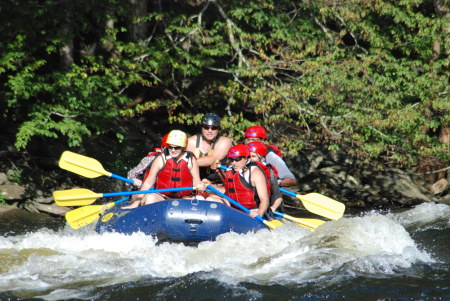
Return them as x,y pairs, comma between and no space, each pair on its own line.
209,146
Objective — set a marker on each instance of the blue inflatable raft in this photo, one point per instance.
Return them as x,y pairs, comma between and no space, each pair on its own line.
179,220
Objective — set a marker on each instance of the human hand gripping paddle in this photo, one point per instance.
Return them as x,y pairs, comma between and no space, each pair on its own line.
270,224
83,216
316,203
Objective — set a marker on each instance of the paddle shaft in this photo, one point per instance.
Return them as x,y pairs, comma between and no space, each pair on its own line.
122,178
94,195
288,192
259,218
110,194
121,201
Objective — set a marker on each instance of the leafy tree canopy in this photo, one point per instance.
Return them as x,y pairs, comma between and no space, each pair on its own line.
369,77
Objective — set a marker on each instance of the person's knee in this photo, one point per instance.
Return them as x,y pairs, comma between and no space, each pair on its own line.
152,198
287,182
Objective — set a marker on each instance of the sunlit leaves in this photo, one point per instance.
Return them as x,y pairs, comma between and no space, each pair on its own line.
359,75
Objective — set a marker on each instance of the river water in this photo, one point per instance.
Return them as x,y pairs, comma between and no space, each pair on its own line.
373,256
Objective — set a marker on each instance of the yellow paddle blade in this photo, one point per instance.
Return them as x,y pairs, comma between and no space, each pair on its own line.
309,223
273,224
83,216
75,197
82,165
322,205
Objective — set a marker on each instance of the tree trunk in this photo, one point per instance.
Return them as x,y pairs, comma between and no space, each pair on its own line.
137,29
443,11
66,52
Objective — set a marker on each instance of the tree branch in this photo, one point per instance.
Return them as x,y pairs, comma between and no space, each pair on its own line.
230,26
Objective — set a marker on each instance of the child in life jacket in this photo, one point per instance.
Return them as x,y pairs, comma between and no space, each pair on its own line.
245,182
258,152
178,168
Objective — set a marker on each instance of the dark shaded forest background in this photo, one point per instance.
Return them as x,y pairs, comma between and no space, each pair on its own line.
370,78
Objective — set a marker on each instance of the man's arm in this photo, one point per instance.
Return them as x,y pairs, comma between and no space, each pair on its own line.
193,169
276,195
139,170
220,152
259,182
151,179
191,143
284,174
288,182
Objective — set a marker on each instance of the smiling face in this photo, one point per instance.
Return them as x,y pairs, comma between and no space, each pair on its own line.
175,151
210,132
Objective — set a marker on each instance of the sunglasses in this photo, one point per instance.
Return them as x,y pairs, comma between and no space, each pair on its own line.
237,159
174,147
208,127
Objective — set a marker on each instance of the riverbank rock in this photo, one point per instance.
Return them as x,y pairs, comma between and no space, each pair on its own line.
12,191
4,209
357,183
439,187
400,185
34,206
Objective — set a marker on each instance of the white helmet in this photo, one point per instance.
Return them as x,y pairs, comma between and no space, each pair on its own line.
177,137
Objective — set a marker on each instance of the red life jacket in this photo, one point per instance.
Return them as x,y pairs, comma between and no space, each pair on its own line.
269,170
274,169
266,169
273,148
269,167
237,187
175,175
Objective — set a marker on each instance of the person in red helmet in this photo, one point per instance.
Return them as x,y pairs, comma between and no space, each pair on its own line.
258,153
258,133
245,182
140,171
209,146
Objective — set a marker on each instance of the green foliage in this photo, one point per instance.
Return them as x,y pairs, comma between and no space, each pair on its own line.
2,200
15,175
369,77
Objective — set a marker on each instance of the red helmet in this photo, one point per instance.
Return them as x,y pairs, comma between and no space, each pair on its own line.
164,141
256,131
239,150
257,147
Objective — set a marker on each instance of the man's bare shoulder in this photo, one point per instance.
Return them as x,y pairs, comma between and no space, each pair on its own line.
225,140
191,143
192,138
